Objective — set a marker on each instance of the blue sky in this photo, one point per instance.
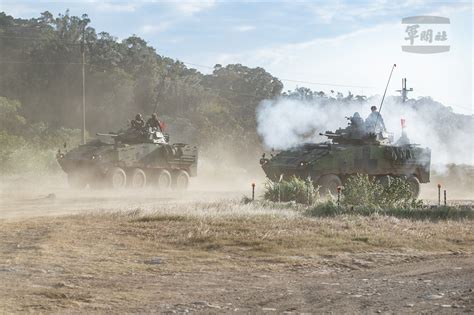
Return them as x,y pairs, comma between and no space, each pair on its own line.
335,42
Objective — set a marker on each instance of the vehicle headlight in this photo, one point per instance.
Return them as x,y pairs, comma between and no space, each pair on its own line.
303,163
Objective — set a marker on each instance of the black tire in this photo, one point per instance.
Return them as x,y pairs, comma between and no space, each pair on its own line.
163,179
76,180
116,178
180,180
137,179
329,184
414,186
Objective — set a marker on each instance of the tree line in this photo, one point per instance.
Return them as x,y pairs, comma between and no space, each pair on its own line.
41,87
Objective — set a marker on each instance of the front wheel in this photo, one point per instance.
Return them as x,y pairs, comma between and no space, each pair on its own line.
181,180
329,184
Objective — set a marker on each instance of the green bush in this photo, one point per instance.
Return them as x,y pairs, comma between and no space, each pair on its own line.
362,190
295,189
331,209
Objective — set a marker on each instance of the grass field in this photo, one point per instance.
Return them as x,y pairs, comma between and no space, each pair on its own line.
126,261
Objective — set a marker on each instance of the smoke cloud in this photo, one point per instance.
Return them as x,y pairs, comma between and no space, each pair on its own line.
287,122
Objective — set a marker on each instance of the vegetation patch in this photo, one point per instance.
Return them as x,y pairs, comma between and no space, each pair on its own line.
295,189
331,209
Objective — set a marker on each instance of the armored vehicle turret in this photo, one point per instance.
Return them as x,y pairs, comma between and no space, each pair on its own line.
130,158
349,151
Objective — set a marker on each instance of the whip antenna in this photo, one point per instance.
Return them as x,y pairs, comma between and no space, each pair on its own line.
385,92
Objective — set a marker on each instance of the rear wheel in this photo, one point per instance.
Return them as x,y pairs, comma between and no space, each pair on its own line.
116,178
181,180
329,184
137,178
414,184
163,179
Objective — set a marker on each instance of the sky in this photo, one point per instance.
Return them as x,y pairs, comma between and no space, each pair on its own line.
324,45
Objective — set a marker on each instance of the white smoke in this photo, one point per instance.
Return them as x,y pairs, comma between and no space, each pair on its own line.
286,122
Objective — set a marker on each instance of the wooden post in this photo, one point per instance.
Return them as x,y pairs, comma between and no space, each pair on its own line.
339,188
439,194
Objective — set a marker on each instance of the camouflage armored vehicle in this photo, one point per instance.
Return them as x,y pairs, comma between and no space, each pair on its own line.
131,158
352,151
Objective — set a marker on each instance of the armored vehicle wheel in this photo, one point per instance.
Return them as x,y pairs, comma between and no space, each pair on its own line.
116,178
137,178
329,184
163,179
414,186
76,180
180,180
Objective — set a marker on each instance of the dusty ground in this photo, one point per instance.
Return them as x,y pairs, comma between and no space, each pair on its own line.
206,252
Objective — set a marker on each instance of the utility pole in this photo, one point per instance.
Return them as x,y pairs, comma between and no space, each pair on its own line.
83,86
404,91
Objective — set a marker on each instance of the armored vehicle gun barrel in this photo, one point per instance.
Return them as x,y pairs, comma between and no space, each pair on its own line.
113,135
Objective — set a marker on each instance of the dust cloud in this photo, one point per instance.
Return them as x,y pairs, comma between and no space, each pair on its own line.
28,195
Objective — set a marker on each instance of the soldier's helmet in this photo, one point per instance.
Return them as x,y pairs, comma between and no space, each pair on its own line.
138,116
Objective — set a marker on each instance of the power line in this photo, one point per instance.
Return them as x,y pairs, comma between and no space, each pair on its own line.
209,67
291,80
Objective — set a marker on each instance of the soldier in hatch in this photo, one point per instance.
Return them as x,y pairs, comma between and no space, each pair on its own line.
374,123
357,124
138,123
153,122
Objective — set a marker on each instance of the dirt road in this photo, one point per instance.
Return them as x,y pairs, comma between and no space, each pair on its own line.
49,196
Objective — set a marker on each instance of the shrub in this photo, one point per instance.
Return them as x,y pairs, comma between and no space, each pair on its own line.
362,190
295,189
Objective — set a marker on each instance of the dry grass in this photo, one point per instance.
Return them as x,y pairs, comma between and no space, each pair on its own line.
217,234
101,261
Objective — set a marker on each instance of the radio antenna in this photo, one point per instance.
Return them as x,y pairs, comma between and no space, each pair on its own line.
385,92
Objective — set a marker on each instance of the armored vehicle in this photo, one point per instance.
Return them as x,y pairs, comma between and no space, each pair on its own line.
131,158
351,151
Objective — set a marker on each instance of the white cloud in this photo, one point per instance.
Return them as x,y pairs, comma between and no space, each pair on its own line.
155,28
191,7
117,6
17,9
364,58
244,28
